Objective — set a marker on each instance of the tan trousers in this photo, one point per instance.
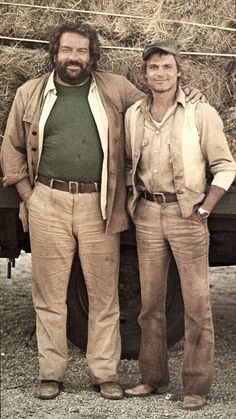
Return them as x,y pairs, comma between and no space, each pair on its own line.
160,230
58,221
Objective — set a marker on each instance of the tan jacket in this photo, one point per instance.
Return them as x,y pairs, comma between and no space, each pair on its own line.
20,148
196,140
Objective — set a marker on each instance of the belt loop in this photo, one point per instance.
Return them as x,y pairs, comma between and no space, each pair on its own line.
163,197
76,185
96,186
51,183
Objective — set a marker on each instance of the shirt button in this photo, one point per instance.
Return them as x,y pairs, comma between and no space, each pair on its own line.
155,170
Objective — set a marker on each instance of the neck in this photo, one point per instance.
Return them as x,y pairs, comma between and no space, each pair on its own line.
161,102
59,81
164,99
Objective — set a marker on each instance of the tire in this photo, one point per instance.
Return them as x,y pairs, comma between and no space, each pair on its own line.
129,295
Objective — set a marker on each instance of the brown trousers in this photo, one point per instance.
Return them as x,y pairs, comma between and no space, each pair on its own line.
58,221
160,230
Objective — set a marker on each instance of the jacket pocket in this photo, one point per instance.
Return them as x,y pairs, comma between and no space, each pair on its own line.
27,117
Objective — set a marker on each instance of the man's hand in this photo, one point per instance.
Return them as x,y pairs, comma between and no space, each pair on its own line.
24,189
193,95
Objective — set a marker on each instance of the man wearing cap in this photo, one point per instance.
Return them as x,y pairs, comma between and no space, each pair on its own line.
169,143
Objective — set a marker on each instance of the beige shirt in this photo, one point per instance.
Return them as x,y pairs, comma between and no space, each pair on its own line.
173,157
155,169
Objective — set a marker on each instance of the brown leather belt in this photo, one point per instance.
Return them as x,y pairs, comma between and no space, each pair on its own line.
160,197
71,186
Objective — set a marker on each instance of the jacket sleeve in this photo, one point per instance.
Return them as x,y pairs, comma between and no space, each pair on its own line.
130,94
214,145
13,151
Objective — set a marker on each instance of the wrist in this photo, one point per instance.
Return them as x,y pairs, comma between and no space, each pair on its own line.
203,213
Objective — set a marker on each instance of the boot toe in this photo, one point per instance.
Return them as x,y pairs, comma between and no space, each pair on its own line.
193,402
141,390
111,390
48,390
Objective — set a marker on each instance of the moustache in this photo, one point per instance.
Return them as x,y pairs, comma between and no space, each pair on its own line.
75,63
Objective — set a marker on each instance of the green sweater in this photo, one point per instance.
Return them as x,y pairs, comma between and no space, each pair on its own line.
72,148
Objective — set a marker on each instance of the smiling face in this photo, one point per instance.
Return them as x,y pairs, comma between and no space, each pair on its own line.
161,72
73,63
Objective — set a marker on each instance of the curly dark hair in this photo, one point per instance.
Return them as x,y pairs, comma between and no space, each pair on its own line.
82,29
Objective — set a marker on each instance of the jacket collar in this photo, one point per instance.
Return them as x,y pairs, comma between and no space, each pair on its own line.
50,86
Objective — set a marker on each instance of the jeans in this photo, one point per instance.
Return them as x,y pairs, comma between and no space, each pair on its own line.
162,231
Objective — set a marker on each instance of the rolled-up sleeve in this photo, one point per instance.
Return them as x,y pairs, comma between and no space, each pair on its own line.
214,146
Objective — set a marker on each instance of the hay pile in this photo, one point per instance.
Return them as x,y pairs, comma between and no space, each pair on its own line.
215,76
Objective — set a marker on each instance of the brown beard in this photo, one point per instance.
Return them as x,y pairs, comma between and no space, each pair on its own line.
81,77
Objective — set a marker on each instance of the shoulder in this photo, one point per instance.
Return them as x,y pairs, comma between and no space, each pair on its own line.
205,109
203,112
207,113
108,76
32,84
117,82
117,88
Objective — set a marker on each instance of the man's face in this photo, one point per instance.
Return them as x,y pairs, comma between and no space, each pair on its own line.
161,72
73,63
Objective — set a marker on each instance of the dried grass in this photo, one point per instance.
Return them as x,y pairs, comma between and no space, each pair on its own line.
215,76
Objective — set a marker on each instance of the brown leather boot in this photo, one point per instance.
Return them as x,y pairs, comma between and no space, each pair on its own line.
193,402
48,390
111,390
143,390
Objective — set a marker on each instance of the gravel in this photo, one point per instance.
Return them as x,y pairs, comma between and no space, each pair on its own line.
78,400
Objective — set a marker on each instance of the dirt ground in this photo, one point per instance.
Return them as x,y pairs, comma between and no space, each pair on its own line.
78,400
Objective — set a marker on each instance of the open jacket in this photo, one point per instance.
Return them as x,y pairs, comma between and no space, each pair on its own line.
20,149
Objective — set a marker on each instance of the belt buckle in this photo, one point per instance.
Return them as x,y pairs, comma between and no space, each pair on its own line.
73,184
163,197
